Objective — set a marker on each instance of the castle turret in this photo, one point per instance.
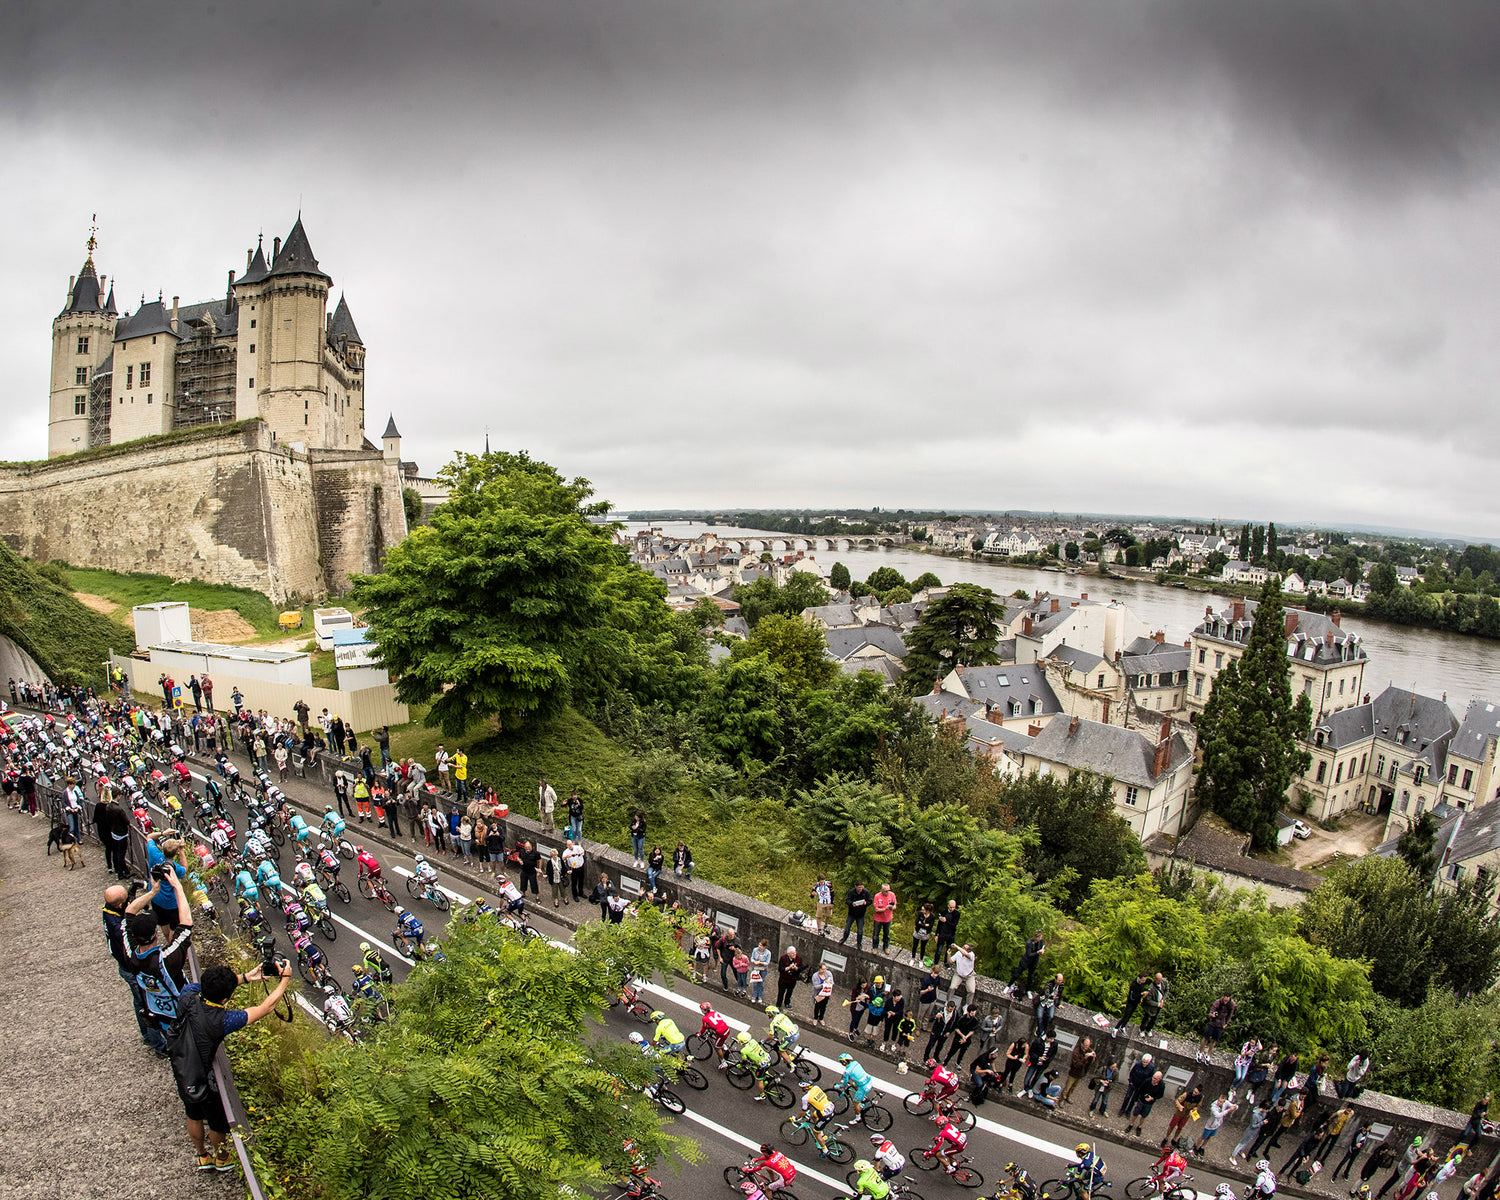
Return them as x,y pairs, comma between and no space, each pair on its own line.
281,332
82,337
390,441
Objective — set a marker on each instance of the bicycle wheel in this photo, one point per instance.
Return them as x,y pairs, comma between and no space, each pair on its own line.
1142,1186
694,1078
733,1176
1055,1189
413,888
341,890
907,1194
740,1077
529,933
401,944
367,887
967,1177
306,971
440,901
840,1103
963,1118
917,1103
346,849
840,1152
278,833
780,1095
918,1157
670,1100
388,899
699,1047
877,1119
807,1070
794,1133
328,929
330,981
640,1010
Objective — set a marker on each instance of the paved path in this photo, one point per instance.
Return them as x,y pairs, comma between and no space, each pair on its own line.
85,1109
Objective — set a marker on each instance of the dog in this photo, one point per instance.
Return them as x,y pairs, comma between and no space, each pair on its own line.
56,838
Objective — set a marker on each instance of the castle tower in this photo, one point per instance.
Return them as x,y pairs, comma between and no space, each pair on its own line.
390,442
289,336
144,365
82,338
249,299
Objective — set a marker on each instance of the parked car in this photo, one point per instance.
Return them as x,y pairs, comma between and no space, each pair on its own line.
1301,829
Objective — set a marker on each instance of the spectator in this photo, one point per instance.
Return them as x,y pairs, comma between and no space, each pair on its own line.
116,912
1332,1131
1220,1014
760,967
1152,1002
1148,1095
1357,1140
1031,954
460,764
1477,1117
163,847
989,1029
1039,1056
1134,994
982,1076
159,969
964,1030
441,761
921,932
494,841
822,898
383,740
1184,1104
207,1020
1046,1089
575,818
682,857
947,930
1290,1115
725,949
573,858
1258,1117
466,839
856,902
1047,1002
884,910
1243,1061
1015,1059
859,1000
638,838
654,863
617,906
557,876
1286,1071
895,1013
1101,1087
1139,1076
964,978
283,759
531,861
741,967
1313,1084
603,890
1217,1112
1408,1162
789,971
546,802
942,1025
1354,1074
481,843
927,995
1080,1062
1305,1148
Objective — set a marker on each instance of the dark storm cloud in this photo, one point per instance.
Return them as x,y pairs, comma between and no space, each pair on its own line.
873,251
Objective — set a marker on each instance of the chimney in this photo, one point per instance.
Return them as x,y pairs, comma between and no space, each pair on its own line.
1208,611
1328,638
174,314
1160,637
229,293
1187,643
1239,610
1163,749
72,279
1083,595
1336,617
1119,654
1291,623
1033,729
275,249
937,687
1072,726
249,258
1055,605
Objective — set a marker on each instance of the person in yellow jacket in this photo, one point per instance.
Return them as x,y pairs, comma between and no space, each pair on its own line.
461,774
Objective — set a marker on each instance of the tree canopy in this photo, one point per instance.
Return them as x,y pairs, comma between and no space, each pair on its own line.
802,590
959,628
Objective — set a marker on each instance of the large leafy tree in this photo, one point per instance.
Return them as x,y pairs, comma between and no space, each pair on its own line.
1251,728
795,648
1077,828
838,577
960,628
488,1084
802,590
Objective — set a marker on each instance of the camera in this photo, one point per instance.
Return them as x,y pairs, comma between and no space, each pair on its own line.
162,871
268,958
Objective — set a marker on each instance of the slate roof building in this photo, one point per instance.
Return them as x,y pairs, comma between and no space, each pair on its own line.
267,348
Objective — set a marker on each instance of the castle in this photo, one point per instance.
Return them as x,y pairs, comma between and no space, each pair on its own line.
222,441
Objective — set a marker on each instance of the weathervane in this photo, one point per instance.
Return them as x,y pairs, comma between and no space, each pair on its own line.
93,233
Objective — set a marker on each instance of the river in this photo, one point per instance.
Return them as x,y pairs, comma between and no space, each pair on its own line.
1423,660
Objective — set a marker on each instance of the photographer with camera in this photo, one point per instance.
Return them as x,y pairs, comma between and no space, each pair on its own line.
164,853
159,968
206,1020
119,905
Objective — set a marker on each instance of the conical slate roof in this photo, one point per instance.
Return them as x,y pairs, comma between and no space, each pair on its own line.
296,257
390,428
109,305
257,270
342,324
85,297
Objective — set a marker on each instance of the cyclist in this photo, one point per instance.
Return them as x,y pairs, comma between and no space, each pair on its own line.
302,874
942,1085
870,1183
332,825
1088,1172
1225,1192
426,874
1167,1169
222,836
184,776
818,1109
756,1057
364,984
301,831
250,917
889,1161
782,1033
949,1144
667,1036
714,1030
258,844
514,901
328,862
174,808
268,876
244,886
303,944
371,961
773,1170
1265,1180
408,926
297,920
369,865
213,792
336,1010
859,1083
313,898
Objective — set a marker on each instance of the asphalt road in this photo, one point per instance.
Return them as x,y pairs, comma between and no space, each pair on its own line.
727,1123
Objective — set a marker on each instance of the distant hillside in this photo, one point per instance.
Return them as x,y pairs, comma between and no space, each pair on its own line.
68,640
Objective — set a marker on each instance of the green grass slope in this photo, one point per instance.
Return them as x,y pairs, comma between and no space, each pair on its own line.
132,589
69,640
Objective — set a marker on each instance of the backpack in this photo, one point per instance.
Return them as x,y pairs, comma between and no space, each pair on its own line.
192,1042
877,1004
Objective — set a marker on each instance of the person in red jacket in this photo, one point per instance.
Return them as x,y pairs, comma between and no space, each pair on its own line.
884,906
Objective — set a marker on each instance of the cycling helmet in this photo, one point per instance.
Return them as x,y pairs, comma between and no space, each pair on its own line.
1262,1165
1081,1148
420,859
846,1059
658,1015
743,1037
862,1165
636,1037
772,1010
1432,1196
364,947
705,1007
767,1148
804,1084
359,849
1224,1192
398,911
876,1139
328,989
328,807
931,1062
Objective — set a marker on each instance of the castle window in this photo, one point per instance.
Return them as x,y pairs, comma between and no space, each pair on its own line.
252,324
80,406
145,374
251,383
1132,796
83,345
80,376
129,376
252,347
148,397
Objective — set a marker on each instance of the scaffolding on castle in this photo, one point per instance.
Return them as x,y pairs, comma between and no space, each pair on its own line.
101,407
205,379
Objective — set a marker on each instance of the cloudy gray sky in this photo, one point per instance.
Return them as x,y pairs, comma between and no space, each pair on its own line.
1166,257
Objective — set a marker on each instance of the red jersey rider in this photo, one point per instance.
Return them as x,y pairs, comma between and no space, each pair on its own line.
772,1170
715,1030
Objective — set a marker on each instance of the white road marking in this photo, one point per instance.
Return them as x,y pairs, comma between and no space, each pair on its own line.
738,1139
